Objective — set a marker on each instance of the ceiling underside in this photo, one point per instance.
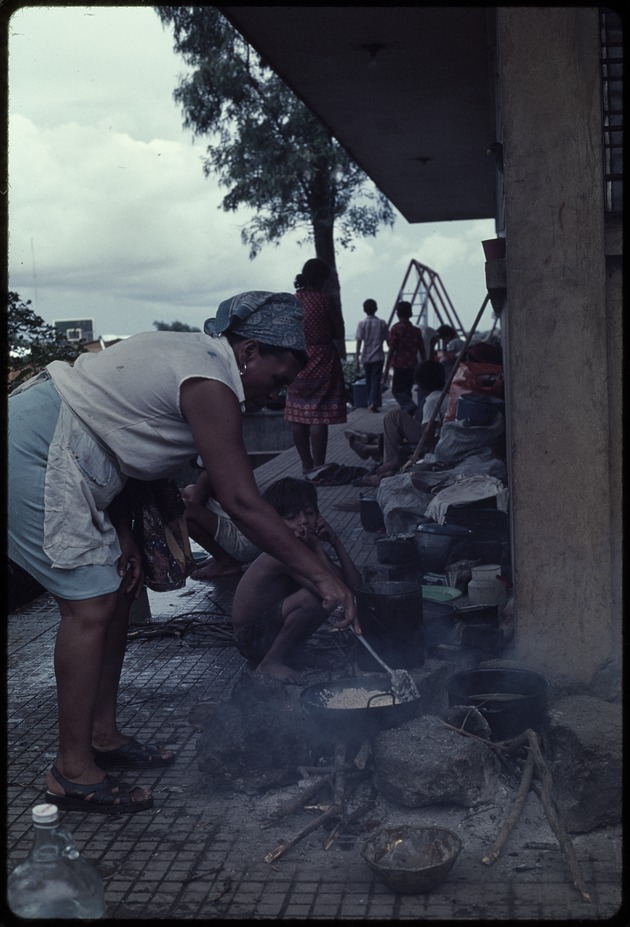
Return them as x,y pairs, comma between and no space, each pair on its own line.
418,116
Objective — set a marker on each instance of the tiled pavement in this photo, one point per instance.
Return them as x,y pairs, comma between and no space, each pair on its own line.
199,853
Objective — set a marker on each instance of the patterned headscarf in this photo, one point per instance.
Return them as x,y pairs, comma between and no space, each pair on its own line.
272,318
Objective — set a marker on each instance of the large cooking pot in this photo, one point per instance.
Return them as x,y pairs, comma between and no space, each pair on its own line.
438,621
399,548
390,614
511,700
380,710
439,545
490,531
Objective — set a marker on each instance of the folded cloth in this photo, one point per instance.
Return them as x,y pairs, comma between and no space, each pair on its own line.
467,489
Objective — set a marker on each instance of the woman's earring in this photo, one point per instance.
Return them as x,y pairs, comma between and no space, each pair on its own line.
242,370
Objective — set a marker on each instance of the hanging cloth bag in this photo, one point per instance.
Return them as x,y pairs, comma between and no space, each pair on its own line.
159,528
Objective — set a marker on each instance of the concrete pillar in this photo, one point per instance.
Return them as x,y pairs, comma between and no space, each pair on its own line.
555,326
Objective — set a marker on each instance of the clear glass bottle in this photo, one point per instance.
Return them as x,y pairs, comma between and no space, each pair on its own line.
55,881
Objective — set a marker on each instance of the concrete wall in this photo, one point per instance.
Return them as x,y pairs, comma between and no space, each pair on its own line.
266,431
559,340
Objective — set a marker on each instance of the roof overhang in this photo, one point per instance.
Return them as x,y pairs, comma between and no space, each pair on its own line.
408,91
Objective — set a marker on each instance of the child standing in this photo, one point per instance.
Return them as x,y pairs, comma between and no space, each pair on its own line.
406,349
371,333
274,609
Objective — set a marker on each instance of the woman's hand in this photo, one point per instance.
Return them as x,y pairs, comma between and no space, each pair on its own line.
342,607
130,563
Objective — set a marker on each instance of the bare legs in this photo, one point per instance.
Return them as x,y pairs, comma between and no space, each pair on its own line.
311,442
89,654
398,427
319,443
302,614
202,526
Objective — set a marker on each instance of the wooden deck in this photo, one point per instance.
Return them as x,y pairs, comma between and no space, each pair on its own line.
347,524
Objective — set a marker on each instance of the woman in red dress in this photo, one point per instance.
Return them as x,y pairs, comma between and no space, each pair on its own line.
317,396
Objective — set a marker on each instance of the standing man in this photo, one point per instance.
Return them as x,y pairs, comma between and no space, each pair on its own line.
406,350
371,334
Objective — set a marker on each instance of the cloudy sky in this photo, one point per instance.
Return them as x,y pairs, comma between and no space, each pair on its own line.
110,215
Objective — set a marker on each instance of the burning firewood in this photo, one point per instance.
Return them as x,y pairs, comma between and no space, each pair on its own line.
294,803
336,808
348,819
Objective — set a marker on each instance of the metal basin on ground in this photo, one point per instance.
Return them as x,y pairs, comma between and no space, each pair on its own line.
410,859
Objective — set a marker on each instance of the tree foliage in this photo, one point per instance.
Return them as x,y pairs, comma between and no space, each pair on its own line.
175,327
266,147
32,342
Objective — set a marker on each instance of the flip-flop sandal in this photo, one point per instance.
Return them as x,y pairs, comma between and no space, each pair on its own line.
311,474
111,796
133,755
321,474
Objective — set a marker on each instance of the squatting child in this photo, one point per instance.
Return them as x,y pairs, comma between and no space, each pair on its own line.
274,609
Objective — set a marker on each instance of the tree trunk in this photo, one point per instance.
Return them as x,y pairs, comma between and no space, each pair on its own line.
324,237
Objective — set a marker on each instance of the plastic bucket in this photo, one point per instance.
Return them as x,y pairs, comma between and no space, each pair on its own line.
390,614
487,591
439,545
493,249
478,409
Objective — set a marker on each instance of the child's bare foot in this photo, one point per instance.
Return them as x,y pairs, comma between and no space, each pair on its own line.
278,671
211,569
387,469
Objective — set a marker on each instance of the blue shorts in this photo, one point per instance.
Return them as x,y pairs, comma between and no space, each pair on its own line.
32,417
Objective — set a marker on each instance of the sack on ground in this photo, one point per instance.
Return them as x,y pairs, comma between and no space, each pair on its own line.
459,439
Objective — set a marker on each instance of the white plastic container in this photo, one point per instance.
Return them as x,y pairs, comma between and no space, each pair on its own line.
486,571
485,587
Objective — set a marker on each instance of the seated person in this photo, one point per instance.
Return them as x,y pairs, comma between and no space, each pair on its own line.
401,429
213,530
274,609
366,444
485,351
